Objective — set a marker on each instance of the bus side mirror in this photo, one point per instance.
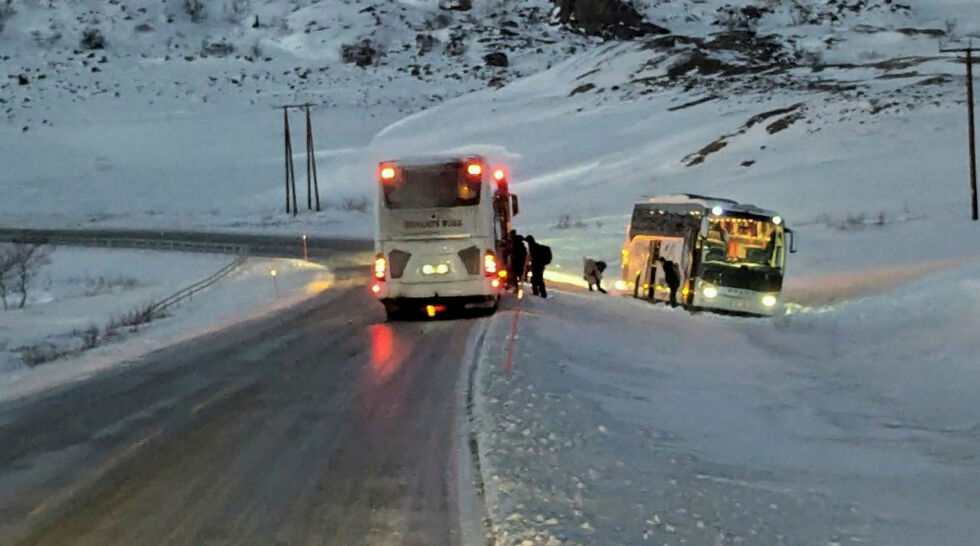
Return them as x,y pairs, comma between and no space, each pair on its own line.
514,205
792,240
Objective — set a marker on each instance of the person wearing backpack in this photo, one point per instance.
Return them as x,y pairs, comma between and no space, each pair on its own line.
540,257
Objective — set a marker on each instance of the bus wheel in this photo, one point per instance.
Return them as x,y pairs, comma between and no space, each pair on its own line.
394,312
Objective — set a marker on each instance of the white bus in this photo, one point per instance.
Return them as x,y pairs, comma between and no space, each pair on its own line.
441,224
731,257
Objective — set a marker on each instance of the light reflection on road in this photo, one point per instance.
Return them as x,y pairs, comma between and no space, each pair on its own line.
387,354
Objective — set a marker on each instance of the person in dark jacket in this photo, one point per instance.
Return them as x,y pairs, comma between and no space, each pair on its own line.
672,276
540,257
518,258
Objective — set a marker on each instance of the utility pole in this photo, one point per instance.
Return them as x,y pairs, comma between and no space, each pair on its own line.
311,161
290,168
971,121
312,183
288,153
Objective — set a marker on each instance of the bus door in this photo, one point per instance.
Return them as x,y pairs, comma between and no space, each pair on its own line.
675,251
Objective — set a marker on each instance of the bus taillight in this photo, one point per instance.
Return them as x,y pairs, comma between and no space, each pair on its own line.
387,172
489,264
380,267
474,169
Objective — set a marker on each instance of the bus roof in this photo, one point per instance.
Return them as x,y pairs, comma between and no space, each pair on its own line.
434,159
731,207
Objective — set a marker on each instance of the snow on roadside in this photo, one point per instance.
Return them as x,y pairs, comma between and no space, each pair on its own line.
135,278
623,423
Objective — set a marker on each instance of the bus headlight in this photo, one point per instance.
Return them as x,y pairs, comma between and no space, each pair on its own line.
769,300
709,292
428,269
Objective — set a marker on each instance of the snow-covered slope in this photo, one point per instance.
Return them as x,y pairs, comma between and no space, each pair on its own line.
171,124
172,121
866,159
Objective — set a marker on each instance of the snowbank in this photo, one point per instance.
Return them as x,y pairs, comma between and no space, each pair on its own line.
623,422
87,287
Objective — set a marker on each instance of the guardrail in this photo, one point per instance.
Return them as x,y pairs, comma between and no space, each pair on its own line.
243,245
282,246
188,291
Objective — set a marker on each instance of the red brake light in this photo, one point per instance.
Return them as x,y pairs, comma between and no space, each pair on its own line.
490,264
380,267
376,288
387,173
474,169
495,283
499,174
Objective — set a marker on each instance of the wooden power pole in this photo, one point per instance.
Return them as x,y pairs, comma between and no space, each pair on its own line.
311,163
971,122
312,183
290,170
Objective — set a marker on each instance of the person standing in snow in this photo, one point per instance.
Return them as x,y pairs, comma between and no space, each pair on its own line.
592,271
672,276
517,257
540,257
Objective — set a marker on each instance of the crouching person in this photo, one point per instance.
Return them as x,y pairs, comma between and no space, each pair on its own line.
592,271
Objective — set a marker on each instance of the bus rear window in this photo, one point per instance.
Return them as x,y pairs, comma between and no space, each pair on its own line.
432,186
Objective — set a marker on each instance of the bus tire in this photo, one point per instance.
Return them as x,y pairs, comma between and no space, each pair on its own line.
394,312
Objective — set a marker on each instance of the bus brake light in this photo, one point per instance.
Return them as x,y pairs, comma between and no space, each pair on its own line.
380,266
499,175
490,264
387,173
474,169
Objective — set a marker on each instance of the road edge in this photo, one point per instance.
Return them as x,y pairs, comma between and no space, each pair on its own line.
468,485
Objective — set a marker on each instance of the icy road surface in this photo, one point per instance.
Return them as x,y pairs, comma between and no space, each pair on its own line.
321,425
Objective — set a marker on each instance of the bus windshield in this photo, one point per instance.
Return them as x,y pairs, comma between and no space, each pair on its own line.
741,242
432,186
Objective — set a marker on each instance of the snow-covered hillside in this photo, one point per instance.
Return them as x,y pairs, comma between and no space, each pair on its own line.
171,122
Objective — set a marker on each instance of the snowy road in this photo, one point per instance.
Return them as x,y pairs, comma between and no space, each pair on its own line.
626,423
322,425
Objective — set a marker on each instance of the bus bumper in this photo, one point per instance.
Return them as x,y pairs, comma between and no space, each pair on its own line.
735,300
475,294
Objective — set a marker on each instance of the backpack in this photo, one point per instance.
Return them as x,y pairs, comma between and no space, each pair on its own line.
545,254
